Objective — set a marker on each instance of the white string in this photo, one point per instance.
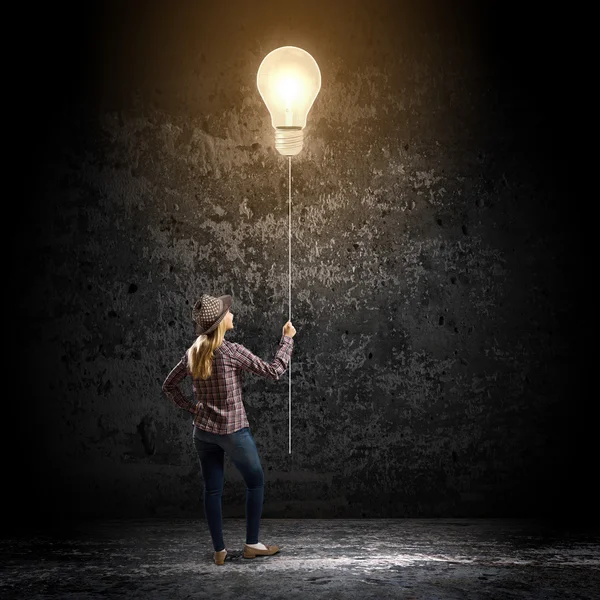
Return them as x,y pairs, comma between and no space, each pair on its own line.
290,293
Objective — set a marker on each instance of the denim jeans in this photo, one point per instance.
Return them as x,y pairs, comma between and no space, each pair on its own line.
241,449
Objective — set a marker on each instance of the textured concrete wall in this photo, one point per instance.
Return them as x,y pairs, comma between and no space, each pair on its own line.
428,260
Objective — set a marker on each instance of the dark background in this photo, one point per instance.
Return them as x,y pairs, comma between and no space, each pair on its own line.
442,366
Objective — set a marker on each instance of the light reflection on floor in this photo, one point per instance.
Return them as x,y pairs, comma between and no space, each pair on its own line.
420,559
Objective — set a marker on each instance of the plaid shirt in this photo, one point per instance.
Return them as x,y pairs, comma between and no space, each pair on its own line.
219,407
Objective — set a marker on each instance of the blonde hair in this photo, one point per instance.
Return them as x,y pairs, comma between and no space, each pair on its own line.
201,353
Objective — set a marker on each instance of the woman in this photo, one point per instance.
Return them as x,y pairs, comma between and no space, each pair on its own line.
220,422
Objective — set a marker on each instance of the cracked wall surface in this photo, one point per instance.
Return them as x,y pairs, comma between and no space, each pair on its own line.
428,263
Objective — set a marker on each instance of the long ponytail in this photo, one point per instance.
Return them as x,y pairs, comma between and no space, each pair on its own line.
201,353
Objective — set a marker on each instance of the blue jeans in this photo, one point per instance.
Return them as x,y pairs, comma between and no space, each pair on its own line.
241,449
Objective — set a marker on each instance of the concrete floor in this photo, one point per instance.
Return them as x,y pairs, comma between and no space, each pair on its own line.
364,558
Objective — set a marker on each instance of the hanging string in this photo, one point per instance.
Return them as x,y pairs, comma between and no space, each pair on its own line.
290,290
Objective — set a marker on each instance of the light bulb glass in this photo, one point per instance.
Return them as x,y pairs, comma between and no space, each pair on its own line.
288,81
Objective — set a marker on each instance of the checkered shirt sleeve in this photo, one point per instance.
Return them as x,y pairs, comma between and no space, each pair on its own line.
244,359
171,386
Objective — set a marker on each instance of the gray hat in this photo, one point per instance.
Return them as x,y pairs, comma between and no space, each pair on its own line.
209,311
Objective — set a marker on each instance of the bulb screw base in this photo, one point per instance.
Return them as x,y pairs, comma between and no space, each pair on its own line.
289,140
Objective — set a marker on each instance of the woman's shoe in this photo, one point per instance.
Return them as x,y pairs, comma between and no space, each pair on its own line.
220,557
250,552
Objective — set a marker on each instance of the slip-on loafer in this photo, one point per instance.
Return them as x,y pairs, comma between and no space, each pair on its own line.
254,552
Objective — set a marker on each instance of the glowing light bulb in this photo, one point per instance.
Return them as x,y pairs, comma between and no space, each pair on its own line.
289,80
